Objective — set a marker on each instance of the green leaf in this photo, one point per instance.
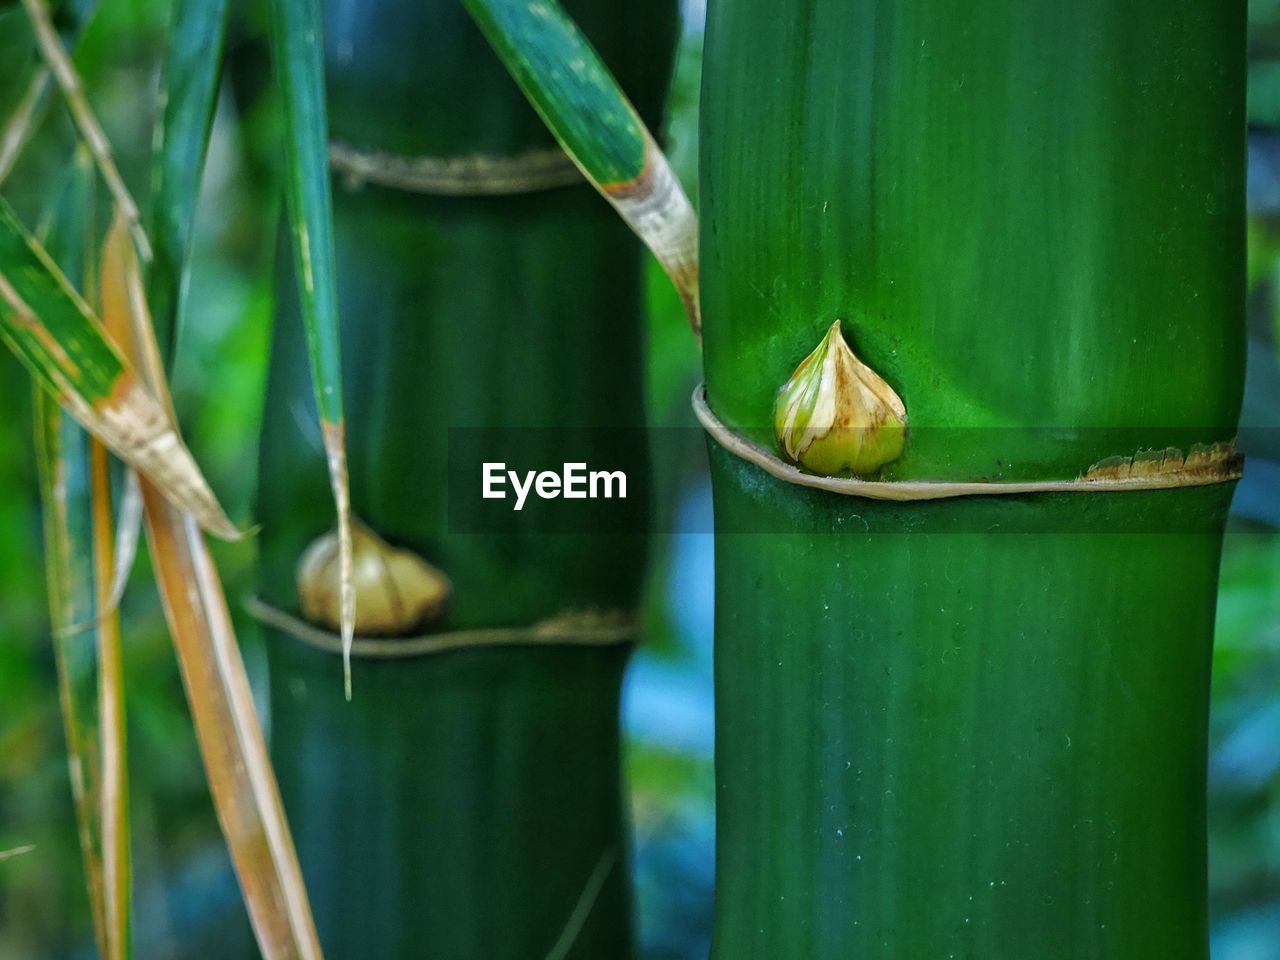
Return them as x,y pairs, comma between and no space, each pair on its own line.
55,333
296,32
197,36
581,103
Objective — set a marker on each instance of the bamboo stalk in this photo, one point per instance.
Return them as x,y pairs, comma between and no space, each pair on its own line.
971,727
483,782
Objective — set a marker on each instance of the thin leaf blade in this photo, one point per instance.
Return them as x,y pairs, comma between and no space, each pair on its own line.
79,548
581,103
197,39
296,31
62,461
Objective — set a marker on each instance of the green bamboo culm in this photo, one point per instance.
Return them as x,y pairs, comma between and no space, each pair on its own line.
977,726
466,803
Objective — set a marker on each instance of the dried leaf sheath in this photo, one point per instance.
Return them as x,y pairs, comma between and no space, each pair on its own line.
114,798
240,777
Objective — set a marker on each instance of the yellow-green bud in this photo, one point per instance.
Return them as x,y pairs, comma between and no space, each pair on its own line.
396,590
836,415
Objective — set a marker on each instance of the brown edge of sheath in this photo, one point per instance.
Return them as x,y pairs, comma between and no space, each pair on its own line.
570,629
1167,470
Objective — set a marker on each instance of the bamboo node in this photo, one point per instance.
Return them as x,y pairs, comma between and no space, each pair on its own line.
465,176
1164,469
570,628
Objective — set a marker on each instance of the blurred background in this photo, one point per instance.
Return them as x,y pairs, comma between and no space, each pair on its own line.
187,903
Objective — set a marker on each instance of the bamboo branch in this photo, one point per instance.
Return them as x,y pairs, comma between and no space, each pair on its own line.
95,137
18,130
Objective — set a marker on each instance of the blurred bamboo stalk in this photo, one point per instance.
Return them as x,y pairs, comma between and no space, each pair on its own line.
467,803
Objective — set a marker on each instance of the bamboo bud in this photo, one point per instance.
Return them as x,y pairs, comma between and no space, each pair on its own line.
396,591
837,415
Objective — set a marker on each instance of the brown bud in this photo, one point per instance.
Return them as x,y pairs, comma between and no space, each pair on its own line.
396,591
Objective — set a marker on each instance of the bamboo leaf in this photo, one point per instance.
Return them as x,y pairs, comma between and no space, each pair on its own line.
581,103
54,332
196,40
241,780
296,32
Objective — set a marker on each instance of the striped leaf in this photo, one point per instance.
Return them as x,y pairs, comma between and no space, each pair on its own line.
296,32
582,105
55,333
